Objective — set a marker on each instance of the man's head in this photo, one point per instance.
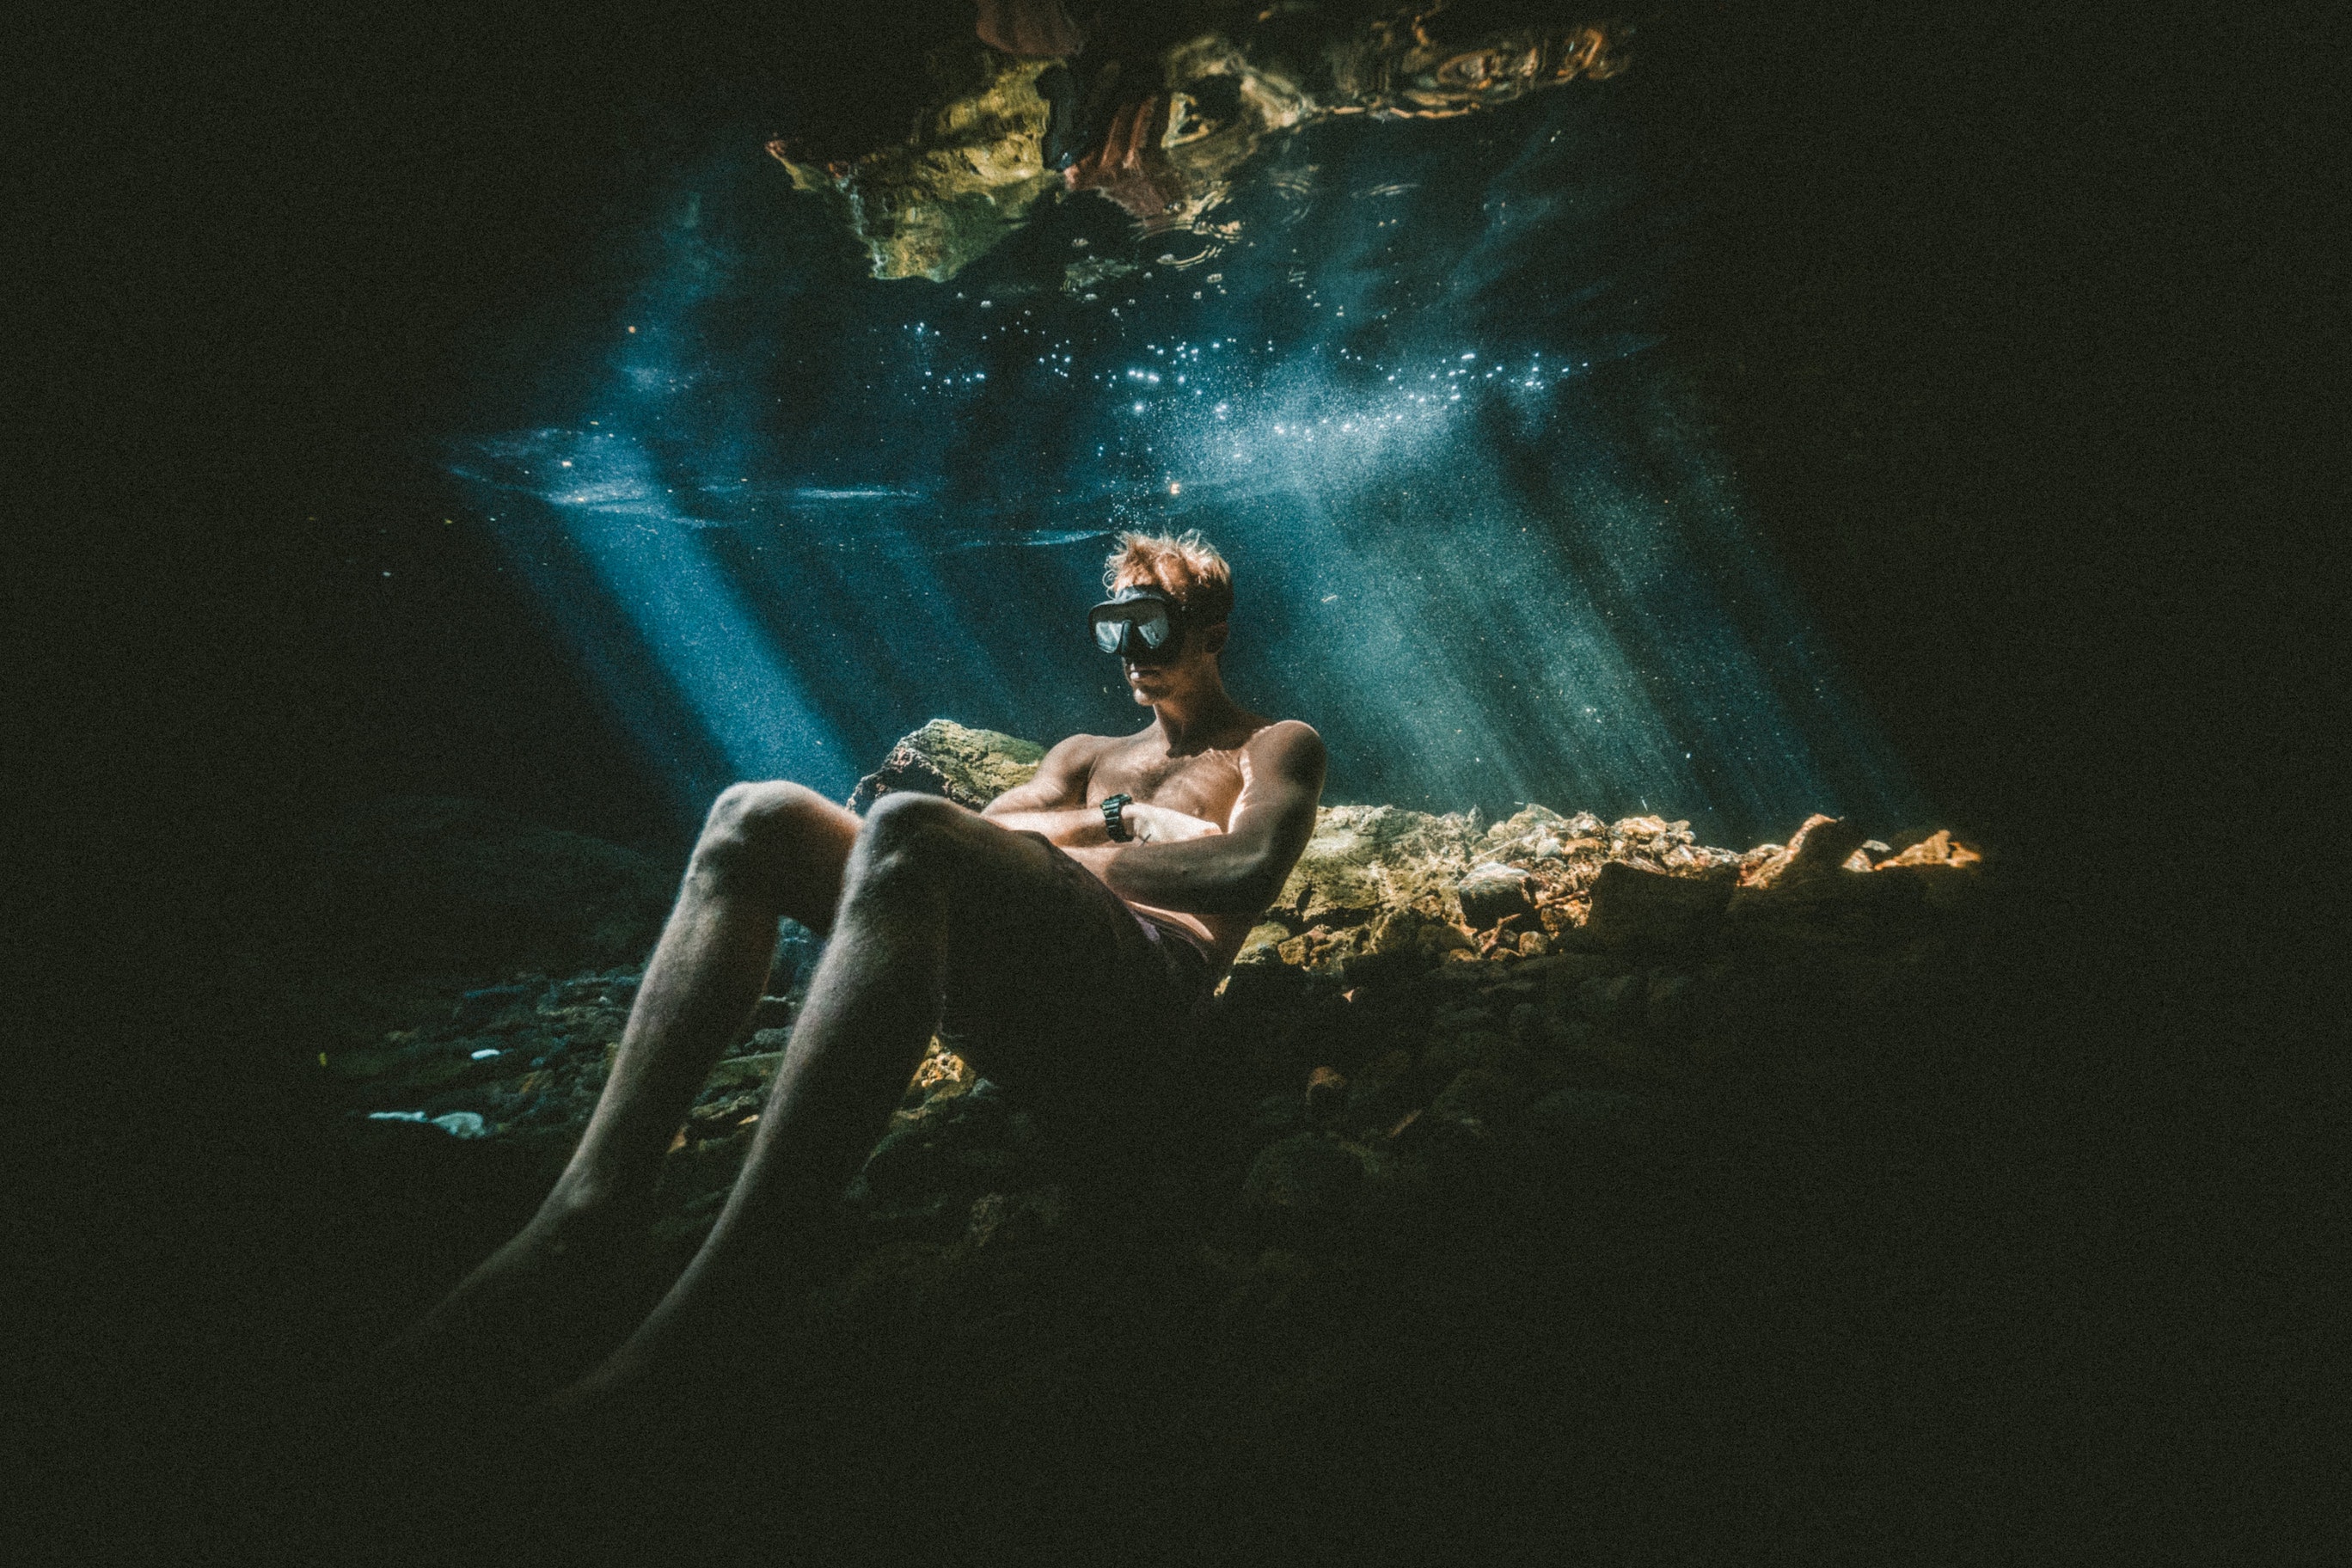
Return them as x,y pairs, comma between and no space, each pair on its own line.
1187,571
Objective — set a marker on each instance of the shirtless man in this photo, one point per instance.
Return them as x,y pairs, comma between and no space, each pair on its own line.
1078,918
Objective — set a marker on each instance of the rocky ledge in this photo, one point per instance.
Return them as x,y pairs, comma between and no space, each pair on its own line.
1435,1010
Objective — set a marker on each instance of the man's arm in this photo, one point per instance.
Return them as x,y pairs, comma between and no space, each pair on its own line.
1240,870
1053,801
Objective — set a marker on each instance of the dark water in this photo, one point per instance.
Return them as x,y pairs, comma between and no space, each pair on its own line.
1405,374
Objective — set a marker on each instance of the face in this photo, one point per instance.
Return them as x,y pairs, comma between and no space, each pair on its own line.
1187,664
1165,676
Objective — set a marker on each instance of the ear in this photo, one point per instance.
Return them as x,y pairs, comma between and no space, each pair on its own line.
1212,638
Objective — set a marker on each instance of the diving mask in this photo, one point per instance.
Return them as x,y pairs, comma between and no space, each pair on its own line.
1136,623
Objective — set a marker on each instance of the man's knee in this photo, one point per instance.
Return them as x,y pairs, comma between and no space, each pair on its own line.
907,820
751,826
908,837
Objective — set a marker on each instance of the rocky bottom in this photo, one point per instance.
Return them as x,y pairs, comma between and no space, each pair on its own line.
1538,1168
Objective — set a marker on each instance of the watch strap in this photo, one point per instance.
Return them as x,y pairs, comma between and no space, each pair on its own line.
1112,822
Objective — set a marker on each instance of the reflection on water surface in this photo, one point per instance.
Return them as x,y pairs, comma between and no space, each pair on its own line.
1161,116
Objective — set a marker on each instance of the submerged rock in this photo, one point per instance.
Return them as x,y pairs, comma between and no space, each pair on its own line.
1491,894
1367,861
1310,1175
1632,908
1821,848
970,767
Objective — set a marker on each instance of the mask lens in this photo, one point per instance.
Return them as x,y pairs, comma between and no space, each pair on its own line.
1129,627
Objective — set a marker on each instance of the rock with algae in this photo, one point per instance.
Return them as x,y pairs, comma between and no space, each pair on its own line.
970,768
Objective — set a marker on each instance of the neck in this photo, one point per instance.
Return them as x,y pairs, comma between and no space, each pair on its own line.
1191,720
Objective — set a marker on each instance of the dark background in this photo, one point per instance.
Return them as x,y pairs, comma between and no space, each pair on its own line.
2006,318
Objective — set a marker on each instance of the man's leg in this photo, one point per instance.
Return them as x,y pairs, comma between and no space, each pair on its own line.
926,882
768,850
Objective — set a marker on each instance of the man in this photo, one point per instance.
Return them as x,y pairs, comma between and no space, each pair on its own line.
1078,920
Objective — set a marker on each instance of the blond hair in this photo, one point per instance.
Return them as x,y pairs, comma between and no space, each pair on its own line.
1183,565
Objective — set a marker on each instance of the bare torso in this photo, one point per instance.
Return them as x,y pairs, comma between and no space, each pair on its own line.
1210,783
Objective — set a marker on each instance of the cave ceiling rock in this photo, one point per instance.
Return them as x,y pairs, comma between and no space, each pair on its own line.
975,165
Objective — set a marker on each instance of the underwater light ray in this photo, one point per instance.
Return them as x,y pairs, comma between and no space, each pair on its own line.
1608,561
689,398
1481,587
1593,722
1713,696
646,558
1764,609
622,667
1545,633
1502,577
1392,641
895,638
1499,563
1694,594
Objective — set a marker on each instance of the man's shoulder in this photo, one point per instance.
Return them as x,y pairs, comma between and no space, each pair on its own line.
1288,730
1286,735
1073,745
1288,748
1073,756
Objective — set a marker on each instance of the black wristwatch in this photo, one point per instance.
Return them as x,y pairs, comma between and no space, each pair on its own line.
1111,822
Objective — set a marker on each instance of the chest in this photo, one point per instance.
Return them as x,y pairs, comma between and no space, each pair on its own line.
1205,784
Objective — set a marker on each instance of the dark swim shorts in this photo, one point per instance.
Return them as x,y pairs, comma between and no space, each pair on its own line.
1075,999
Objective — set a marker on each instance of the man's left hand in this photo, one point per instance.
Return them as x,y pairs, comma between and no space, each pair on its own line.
1163,825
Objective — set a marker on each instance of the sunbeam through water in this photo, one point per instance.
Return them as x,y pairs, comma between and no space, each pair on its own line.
1408,381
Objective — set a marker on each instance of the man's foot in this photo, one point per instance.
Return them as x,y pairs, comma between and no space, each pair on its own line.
532,1313
720,1323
